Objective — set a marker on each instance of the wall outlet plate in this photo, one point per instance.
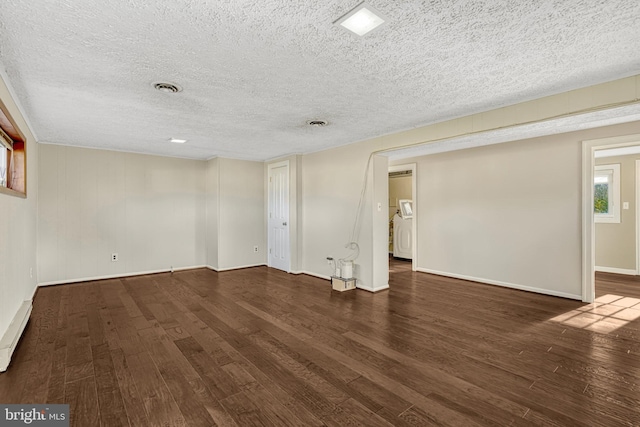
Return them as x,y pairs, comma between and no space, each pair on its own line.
114,257
255,248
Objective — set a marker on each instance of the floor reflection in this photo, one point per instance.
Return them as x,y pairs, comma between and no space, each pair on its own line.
606,314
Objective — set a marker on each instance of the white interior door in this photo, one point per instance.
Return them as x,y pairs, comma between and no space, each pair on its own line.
278,221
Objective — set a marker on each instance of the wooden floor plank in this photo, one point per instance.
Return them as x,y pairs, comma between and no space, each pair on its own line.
83,402
133,400
159,403
244,411
110,403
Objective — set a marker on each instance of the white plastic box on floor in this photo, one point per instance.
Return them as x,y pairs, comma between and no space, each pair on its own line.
340,284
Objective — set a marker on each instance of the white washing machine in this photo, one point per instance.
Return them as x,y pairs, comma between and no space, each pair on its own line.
402,231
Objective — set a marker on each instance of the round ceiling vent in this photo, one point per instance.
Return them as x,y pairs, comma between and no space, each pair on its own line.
167,87
317,123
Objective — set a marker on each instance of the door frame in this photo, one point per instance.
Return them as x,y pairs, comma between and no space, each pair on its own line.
269,234
414,223
589,147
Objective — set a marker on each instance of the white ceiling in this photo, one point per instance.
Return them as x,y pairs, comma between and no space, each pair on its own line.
254,72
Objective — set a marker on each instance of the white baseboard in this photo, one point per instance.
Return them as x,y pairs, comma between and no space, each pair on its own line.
325,277
235,268
117,276
626,271
308,273
504,284
374,290
9,341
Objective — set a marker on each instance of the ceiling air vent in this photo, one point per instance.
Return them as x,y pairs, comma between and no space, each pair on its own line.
167,87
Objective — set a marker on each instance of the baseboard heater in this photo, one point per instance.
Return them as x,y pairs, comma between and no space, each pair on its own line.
9,341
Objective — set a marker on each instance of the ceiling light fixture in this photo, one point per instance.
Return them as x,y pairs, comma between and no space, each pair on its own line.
317,123
167,87
178,141
361,19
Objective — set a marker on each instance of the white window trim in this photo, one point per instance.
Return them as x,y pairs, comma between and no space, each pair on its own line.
613,217
5,141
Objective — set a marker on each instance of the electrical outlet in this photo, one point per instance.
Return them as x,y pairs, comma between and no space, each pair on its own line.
31,272
329,260
255,248
114,257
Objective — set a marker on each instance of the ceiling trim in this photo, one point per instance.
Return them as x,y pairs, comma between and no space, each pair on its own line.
549,126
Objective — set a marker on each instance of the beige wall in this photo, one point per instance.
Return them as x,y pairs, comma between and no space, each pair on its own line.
148,209
241,223
616,243
494,214
212,188
507,213
399,188
332,181
18,235
155,212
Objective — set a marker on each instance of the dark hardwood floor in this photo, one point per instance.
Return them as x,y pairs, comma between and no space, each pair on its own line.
261,347
399,265
617,284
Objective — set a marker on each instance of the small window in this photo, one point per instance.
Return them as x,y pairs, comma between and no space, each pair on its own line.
13,158
406,208
606,193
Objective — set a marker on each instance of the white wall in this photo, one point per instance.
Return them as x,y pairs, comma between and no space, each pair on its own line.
380,224
505,213
295,216
18,230
241,223
212,210
148,209
332,181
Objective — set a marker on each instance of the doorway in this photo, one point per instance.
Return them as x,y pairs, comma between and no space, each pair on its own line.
609,166
402,222
279,253
616,230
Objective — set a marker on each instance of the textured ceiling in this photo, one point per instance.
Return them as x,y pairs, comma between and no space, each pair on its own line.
254,72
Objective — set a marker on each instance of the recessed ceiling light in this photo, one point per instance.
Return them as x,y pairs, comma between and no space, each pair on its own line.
361,19
317,123
178,141
167,87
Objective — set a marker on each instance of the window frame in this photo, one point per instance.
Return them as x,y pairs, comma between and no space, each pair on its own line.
613,216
